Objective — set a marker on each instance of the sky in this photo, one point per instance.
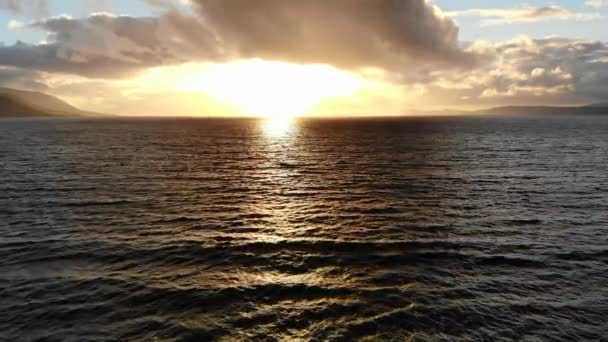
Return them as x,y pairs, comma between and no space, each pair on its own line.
309,57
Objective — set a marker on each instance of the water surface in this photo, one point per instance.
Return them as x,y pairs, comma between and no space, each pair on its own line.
389,229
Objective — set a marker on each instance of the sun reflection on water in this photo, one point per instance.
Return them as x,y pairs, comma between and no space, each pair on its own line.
279,152
278,126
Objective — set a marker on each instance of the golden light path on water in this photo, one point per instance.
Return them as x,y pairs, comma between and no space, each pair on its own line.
280,149
278,126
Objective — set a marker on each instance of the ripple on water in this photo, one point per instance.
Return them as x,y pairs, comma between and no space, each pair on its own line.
392,229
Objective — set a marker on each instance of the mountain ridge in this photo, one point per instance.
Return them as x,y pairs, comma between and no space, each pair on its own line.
23,103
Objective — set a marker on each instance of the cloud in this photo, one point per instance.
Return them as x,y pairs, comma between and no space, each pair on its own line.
22,78
526,71
105,45
345,33
350,34
498,16
55,58
597,4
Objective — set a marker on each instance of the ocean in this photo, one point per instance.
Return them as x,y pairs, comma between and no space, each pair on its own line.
402,229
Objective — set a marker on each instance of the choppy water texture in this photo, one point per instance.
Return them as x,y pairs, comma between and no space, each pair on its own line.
423,229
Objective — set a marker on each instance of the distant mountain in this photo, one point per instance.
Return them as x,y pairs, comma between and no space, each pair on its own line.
20,103
547,110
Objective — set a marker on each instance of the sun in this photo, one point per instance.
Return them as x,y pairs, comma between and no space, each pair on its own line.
270,88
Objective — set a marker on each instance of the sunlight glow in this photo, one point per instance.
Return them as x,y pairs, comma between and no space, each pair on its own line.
278,126
262,88
271,89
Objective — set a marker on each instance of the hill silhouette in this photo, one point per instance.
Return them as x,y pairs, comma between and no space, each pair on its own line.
21,103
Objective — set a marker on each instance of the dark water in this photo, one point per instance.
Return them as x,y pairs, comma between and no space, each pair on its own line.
420,229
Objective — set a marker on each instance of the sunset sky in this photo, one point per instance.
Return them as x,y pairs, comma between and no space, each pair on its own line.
313,57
